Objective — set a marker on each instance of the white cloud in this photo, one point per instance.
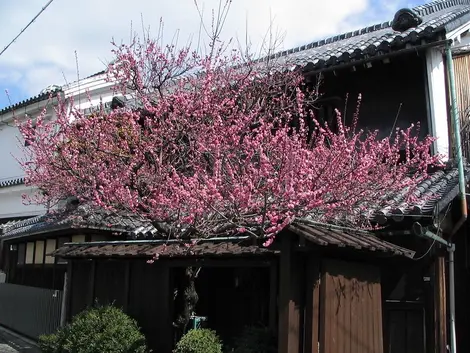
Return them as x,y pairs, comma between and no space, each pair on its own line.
45,52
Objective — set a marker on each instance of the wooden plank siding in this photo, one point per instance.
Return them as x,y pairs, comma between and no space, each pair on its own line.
462,83
462,87
350,308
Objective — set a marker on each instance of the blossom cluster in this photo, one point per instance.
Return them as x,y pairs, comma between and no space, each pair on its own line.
216,145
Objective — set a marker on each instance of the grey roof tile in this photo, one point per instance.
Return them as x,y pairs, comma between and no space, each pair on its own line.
83,217
347,238
432,196
317,235
439,17
149,249
11,182
38,98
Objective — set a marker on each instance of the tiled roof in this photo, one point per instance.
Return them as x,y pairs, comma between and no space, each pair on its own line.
148,249
439,17
40,97
238,246
83,217
11,182
431,197
347,238
7,225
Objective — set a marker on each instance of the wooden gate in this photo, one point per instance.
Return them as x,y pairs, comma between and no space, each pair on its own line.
344,309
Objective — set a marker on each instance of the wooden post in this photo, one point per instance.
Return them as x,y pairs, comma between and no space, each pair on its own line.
289,299
440,310
44,266
312,306
91,284
66,295
167,327
127,275
273,290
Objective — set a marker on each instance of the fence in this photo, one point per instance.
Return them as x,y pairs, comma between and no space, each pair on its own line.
28,310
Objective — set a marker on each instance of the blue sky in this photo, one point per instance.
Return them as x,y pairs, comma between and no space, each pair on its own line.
45,53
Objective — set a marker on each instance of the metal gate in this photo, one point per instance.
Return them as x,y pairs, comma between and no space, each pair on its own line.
30,311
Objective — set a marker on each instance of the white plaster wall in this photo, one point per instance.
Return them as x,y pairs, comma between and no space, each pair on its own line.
437,99
89,92
11,141
11,202
9,149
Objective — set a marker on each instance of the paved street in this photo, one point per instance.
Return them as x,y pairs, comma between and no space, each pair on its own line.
12,343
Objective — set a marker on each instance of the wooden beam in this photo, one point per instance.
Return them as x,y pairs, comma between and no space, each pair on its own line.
289,331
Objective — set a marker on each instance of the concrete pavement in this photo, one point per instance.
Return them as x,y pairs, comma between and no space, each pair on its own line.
11,342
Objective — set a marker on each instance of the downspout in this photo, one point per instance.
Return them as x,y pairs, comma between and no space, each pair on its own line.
424,233
453,334
463,200
456,123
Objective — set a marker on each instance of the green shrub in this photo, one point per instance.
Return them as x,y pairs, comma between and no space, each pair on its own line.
97,330
199,341
255,339
49,343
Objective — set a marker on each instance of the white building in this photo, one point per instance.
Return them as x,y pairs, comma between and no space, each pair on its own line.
11,174
85,94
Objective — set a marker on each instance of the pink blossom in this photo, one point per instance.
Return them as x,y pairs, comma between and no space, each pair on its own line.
232,149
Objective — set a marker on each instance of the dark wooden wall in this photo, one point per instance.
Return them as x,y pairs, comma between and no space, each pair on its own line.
393,91
140,289
328,306
231,294
350,309
150,303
